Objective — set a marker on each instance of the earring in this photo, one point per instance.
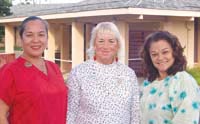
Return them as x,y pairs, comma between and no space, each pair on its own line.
94,58
116,59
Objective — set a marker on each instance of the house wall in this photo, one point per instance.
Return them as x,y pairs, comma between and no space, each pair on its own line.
198,43
88,30
123,52
184,30
65,49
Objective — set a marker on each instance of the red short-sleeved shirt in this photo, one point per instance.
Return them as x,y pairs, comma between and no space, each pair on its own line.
33,97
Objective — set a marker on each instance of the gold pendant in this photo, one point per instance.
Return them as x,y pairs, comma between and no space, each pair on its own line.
27,64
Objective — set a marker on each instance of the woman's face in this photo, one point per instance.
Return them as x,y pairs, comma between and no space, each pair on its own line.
34,39
106,47
161,54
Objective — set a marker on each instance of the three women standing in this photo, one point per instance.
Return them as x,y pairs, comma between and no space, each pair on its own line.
101,90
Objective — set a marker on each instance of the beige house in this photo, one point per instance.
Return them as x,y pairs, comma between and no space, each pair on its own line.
71,24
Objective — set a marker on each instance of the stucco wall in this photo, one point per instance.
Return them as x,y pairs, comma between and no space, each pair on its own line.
184,30
198,35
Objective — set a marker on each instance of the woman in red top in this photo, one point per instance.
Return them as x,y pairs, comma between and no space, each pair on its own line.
32,90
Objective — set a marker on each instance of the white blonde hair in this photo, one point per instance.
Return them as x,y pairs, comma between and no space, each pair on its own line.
103,27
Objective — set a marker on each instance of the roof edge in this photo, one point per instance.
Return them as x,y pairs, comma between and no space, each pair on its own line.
107,12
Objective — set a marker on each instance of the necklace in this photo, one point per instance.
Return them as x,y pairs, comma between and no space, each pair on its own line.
40,65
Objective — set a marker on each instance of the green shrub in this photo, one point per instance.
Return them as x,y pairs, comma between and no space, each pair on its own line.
15,48
2,48
195,72
18,48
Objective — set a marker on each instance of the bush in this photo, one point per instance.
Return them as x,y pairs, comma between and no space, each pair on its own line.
18,48
2,48
195,72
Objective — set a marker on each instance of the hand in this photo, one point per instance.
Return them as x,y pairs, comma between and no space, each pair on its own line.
3,112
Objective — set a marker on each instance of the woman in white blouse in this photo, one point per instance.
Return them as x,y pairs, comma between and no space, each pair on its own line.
102,90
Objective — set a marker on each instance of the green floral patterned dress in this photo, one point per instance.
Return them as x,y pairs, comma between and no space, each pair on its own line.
173,100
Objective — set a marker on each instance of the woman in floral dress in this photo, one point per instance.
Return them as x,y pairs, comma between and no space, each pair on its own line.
169,95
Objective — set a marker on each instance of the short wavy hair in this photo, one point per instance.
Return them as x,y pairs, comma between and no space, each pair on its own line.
180,61
103,27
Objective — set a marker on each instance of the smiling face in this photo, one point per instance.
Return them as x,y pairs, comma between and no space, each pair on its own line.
161,54
34,39
106,47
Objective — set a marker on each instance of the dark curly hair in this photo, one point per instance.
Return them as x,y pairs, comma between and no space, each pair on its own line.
180,62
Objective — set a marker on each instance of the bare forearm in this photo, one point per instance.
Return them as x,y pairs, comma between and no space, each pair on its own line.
3,112
3,120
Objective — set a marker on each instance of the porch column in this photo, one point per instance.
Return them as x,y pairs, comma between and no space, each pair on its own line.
9,39
124,49
50,52
77,43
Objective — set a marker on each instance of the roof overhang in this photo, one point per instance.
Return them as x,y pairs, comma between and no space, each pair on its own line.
120,11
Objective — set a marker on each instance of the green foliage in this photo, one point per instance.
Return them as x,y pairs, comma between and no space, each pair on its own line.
18,48
5,7
195,72
4,11
15,48
2,48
